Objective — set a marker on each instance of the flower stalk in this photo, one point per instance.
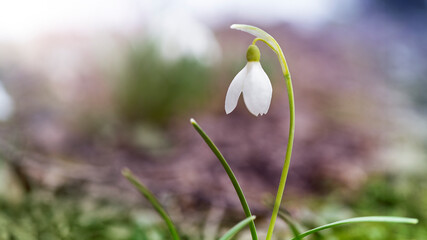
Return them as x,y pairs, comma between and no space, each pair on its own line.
272,43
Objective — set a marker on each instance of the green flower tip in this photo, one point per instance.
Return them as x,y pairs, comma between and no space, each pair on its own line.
192,121
253,54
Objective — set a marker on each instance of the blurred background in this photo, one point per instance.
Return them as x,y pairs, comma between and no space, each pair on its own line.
90,87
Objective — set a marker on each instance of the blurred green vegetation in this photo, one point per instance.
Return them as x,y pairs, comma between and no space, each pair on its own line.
48,216
68,214
44,216
154,91
385,196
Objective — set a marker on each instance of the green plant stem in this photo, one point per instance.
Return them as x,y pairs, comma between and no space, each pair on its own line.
285,169
380,219
287,162
239,226
272,43
152,199
230,174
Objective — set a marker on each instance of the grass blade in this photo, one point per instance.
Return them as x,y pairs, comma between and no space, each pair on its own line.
153,200
291,223
379,219
230,175
237,228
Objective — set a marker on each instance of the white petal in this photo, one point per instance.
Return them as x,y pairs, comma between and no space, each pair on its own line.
235,89
257,89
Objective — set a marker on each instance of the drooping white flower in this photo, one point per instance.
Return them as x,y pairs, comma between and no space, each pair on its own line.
254,83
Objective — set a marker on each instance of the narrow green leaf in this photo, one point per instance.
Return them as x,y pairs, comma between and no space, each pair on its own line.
230,174
239,226
152,199
379,219
291,223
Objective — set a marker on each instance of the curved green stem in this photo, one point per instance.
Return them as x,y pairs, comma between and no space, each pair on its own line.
272,43
153,200
239,226
287,162
230,174
379,219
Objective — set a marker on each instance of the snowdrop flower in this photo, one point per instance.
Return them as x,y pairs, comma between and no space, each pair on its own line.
254,83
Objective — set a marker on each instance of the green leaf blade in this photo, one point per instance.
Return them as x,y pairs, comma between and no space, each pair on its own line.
237,228
291,224
370,219
230,174
153,200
